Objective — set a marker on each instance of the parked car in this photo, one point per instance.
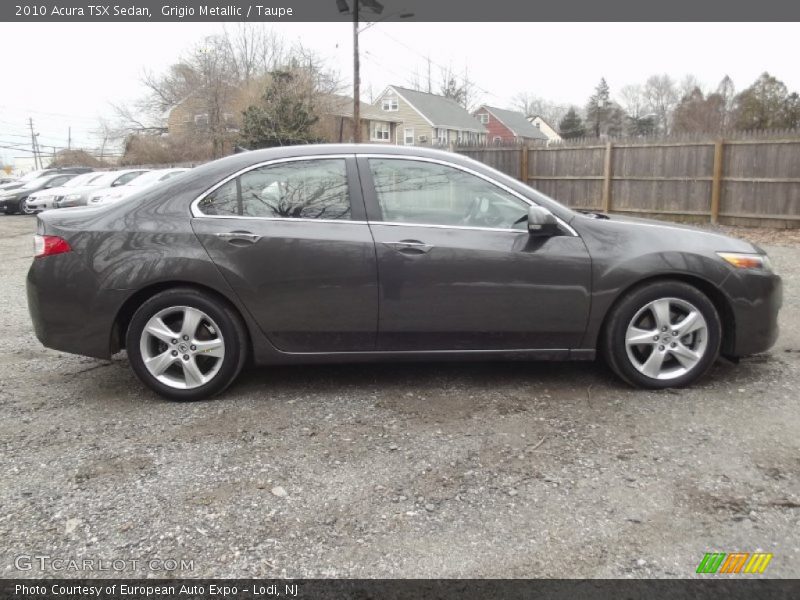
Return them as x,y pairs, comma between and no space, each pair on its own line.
138,184
339,253
80,196
28,177
47,198
14,201
5,180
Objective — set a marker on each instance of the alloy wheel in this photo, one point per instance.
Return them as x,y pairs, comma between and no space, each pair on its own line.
666,338
182,347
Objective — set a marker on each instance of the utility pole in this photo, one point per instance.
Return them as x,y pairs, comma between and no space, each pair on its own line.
33,145
69,137
356,78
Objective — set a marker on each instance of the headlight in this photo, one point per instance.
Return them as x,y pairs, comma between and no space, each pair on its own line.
742,260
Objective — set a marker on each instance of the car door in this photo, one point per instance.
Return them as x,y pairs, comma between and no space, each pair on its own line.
291,239
457,267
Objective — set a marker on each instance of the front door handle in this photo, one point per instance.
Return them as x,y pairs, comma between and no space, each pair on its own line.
237,238
409,246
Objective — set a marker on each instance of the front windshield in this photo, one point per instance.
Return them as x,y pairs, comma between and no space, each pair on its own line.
145,179
84,179
106,179
30,176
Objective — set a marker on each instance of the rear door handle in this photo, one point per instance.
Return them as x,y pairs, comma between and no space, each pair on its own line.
409,246
237,238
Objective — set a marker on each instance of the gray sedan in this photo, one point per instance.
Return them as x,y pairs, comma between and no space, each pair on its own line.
361,253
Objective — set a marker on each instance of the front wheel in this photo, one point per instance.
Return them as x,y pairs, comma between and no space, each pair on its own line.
663,334
186,345
25,209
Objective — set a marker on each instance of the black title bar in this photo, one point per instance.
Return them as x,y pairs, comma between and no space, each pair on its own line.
277,11
398,589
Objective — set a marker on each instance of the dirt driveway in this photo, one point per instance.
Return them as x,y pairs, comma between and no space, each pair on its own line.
438,470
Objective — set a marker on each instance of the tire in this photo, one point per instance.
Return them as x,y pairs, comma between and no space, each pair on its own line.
12,209
643,353
173,366
23,207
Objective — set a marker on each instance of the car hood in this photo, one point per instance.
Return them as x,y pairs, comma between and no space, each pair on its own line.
650,235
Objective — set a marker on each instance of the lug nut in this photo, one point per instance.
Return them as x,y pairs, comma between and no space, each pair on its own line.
193,348
185,357
675,333
661,348
174,341
186,337
655,338
174,353
664,328
674,345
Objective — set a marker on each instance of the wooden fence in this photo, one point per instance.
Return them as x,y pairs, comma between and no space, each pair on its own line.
753,181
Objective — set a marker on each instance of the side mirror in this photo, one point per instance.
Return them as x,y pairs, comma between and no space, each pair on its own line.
541,222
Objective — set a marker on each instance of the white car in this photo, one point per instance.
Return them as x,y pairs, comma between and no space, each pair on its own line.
80,196
138,184
46,199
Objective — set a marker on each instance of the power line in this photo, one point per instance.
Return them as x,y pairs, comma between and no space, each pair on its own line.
441,67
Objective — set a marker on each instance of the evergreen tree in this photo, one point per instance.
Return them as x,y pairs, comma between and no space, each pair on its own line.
571,126
599,108
285,115
763,105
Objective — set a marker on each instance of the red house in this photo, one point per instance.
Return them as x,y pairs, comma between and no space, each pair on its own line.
507,126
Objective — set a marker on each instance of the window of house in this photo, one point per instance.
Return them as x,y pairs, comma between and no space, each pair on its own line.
301,189
390,104
408,136
441,136
380,131
201,121
412,191
497,139
484,118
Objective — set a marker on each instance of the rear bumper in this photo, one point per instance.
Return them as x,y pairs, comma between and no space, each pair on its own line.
755,299
69,311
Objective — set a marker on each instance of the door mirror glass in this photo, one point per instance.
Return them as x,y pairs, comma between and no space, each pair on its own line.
541,222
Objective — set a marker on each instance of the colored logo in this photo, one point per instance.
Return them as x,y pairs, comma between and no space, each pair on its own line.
735,562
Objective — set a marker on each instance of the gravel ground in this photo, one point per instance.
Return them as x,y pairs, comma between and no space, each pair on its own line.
410,470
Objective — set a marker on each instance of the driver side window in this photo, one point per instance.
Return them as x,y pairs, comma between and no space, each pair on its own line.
424,193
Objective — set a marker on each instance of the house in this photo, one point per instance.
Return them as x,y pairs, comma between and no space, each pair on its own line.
190,116
508,126
428,119
336,121
545,128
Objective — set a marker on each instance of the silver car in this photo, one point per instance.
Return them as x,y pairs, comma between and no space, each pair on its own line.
46,199
80,196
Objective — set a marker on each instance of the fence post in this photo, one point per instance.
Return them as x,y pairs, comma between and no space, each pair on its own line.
716,181
607,179
523,167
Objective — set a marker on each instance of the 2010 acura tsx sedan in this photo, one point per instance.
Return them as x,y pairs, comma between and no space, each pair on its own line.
356,253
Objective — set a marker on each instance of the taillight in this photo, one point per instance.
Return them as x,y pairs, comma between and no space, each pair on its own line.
47,245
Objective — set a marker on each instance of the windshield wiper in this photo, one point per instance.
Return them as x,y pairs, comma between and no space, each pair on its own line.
594,215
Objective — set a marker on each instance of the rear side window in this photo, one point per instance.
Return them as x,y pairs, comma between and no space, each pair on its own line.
303,189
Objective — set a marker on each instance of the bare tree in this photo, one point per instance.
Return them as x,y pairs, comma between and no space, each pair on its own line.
534,106
662,97
106,133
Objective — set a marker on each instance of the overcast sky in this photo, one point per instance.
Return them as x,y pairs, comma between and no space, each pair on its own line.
65,75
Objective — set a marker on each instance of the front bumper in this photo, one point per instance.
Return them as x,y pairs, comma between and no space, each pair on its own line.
69,203
10,202
755,299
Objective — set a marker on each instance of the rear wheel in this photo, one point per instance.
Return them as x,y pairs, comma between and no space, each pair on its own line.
186,345
663,334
